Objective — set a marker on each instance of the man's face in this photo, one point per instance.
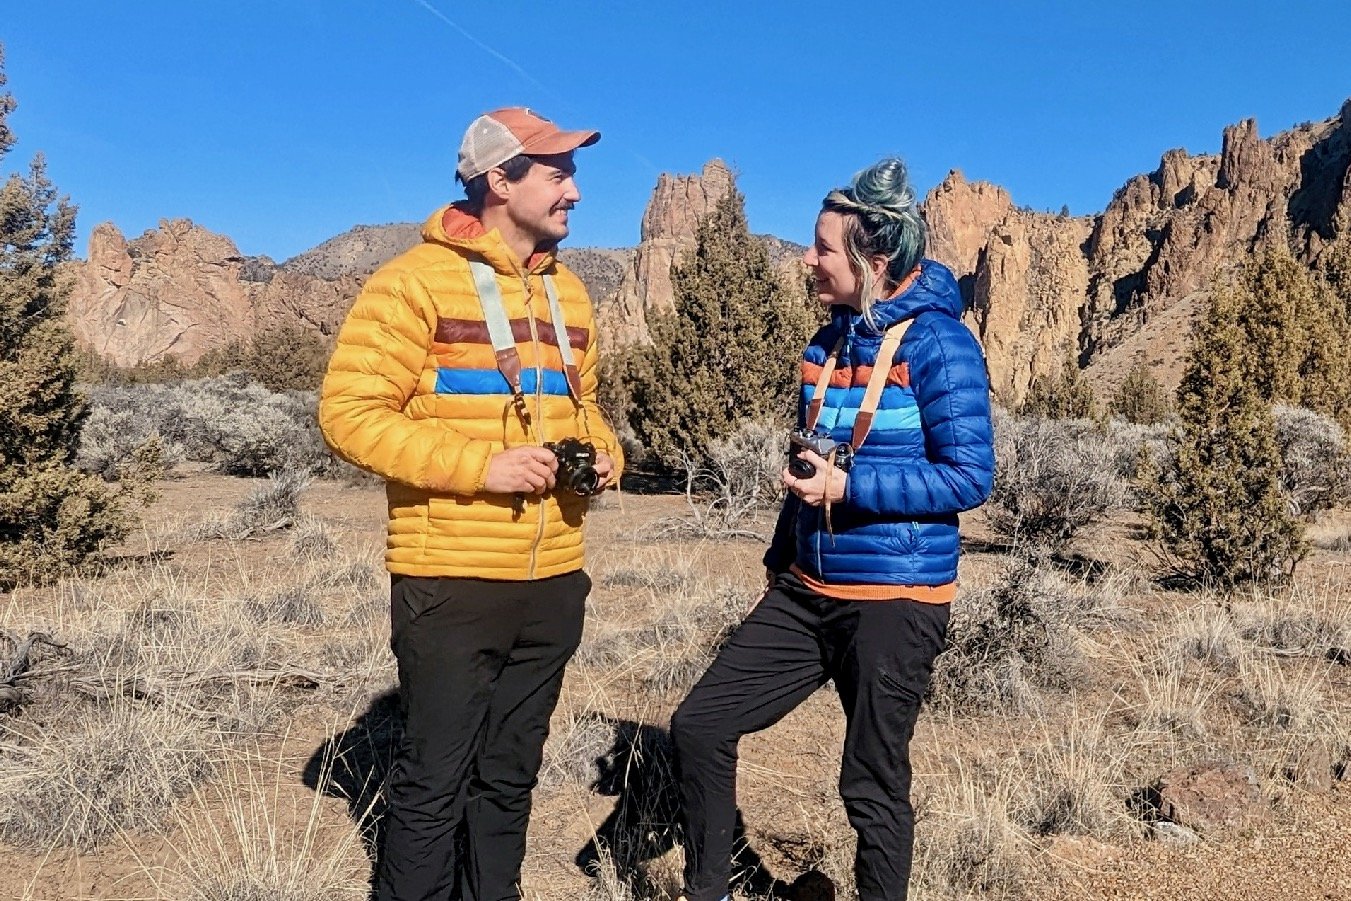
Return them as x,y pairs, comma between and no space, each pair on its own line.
538,204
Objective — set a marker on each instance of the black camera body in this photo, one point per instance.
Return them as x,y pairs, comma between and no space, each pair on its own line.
576,465
819,443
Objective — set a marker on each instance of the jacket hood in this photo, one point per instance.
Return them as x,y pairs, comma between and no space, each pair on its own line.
934,290
454,226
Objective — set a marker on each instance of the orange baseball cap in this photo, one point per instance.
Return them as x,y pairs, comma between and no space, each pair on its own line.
496,137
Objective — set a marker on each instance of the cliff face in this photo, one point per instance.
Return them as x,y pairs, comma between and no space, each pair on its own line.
1038,286
1041,285
181,290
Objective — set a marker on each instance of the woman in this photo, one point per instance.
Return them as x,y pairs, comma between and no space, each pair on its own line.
863,563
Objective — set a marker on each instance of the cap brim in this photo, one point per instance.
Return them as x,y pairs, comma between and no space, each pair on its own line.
560,142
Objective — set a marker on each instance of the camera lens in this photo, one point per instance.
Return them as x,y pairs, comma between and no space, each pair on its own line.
802,469
584,480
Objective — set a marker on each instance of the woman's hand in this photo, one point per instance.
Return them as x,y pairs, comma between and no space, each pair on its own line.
827,484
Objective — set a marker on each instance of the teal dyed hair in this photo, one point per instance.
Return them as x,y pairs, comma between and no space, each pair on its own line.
881,219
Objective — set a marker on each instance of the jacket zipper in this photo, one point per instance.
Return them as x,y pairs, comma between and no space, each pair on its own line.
539,415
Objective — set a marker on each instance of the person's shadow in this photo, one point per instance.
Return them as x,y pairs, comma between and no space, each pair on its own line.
639,771
353,764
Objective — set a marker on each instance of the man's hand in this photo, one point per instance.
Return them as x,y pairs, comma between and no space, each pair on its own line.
521,470
827,483
605,469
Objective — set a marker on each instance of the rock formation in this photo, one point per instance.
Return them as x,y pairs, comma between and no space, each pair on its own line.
1042,285
181,290
1110,289
669,226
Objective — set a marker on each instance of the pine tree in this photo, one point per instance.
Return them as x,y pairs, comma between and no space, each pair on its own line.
729,350
52,516
1063,395
1140,398
1220,510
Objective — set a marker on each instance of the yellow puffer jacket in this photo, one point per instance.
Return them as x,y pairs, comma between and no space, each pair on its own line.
413,394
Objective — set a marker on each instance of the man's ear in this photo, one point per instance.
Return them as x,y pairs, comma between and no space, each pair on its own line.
498,185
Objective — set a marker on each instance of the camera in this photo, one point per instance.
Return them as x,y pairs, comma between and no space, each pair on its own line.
576,465
819,443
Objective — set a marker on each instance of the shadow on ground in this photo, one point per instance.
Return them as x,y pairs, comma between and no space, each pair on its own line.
639,772
353,764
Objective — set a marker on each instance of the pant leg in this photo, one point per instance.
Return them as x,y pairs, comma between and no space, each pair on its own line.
769,665
885,658
498,810
451,638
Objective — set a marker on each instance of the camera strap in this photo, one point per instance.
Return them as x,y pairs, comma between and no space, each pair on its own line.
877,380
504,341
872,394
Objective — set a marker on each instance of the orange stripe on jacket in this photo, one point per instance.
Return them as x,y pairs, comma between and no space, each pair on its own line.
924,594
851,376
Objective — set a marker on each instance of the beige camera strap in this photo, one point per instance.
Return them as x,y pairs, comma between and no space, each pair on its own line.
877,380
872,394
504,341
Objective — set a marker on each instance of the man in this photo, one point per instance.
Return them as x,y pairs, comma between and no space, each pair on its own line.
459,362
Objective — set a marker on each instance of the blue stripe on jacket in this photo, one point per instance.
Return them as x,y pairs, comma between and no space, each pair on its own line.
490,381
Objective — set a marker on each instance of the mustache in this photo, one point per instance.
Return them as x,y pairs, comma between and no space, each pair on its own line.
565,205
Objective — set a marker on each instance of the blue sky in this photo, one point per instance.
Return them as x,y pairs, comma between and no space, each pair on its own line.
284,122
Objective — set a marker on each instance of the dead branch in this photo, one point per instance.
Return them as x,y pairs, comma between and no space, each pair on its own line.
21,661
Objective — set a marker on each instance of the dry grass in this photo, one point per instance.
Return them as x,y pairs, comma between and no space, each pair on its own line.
970,844
161,725
100,772
247,838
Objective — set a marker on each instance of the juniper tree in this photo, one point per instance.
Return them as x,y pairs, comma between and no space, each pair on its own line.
1062,395
1296,328
52,516
1140,398
727,351
1220,509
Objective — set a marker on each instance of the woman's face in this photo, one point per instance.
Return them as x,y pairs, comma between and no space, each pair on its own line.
836,281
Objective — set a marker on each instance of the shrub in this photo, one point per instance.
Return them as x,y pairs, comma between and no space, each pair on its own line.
1062,395
727,351
1140,399
739,480
118,446
52,516
1016,636
272,505
1052,478
237,426
1315,465
109,770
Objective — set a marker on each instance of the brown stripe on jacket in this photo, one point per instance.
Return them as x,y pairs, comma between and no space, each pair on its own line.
475,331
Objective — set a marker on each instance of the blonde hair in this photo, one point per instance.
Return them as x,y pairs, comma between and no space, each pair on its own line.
881,218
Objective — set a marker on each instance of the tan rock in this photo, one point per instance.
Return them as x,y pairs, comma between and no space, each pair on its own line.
1212,797
961,216
1029,290
670,223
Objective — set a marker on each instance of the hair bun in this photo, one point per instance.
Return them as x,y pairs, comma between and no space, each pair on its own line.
885,186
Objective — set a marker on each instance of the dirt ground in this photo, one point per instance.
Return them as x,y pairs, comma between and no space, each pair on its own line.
1295,851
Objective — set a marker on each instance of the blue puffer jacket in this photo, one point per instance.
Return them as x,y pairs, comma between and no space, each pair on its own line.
929,454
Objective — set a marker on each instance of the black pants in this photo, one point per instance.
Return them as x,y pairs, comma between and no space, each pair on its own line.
480,668
880,654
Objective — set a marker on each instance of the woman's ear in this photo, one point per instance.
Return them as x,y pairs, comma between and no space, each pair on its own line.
879,268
